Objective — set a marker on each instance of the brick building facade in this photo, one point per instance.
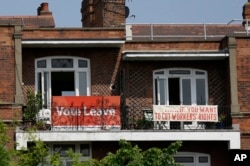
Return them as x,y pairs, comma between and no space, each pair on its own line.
143,65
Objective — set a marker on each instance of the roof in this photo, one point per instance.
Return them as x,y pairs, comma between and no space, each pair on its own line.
42,21
145,32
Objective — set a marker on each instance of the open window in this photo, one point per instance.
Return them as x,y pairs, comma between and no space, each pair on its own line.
180,86
62,76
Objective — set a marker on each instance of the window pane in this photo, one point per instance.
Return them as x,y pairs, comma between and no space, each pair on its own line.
62,63
45,88
203,159
82,84
174,91
200,92
63,83
85,149
82,63
39,82
62,149
184,159
179,72
159,72
41,64
186,92
200,73
162,91
156,92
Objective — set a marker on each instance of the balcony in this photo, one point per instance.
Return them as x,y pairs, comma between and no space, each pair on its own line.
144,121
102,118
114,118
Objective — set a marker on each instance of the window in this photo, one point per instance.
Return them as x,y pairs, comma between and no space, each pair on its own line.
83,148
62,76
61,149
192,159
180,86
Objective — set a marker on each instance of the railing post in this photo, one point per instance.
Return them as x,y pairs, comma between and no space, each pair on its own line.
247,27
205,31
152,31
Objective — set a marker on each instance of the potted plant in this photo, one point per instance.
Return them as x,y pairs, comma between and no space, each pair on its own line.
33,105
221,123
144,124
41,125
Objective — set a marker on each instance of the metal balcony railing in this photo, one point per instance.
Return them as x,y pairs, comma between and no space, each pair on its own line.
143,120
131,118
181,30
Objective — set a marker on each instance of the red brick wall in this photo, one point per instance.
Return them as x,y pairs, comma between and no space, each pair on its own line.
178,45
9,112
245,131
12,116
245,141
74,33
7,65
243,67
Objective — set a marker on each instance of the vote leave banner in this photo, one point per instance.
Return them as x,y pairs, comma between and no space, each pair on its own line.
86,112
203,113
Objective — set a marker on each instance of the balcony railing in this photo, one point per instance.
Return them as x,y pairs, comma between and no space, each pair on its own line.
144,120
177,31
130,118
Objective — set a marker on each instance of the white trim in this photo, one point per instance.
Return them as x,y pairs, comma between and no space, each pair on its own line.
173,55
233,137
129,32
72,43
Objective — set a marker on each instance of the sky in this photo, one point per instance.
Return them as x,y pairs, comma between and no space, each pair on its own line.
67,12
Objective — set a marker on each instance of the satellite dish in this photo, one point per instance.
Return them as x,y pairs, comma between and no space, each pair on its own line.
126,12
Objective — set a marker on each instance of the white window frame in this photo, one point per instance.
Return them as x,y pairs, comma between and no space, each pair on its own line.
77,145
192,76
195,157
164,74
49,69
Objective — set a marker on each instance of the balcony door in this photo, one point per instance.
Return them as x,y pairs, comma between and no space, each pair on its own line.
180,86
62,76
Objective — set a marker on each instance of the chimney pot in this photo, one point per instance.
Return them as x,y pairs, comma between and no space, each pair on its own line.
43,9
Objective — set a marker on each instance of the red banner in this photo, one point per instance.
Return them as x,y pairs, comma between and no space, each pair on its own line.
86,112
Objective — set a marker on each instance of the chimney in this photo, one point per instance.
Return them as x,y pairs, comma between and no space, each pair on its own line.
103,13
43,9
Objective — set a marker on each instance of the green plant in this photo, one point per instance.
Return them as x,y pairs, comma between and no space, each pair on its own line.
144,124
40,125
4,153
55,159
33,105
129,155
222,117
34,155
